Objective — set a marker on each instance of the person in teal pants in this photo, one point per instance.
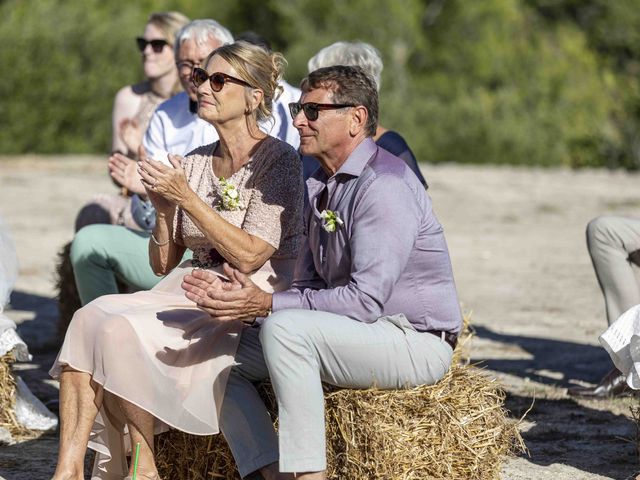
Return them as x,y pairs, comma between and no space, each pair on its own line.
102,254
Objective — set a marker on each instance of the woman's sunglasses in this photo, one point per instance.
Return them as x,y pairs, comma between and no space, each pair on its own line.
216,79
311,109
156,45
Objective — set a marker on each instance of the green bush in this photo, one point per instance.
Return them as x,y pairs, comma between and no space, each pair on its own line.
535,82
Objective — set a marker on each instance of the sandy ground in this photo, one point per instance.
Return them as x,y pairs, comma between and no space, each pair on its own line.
516,237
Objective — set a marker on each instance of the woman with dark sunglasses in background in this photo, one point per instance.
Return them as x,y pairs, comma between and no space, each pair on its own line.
132,110
152,359
134,104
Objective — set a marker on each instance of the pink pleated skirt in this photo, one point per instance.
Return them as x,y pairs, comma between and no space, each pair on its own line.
157,350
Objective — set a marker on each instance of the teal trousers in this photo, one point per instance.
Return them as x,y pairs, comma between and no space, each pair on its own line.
102,253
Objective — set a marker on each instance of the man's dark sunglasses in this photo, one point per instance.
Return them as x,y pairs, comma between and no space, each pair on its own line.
311,109
157,45
216,79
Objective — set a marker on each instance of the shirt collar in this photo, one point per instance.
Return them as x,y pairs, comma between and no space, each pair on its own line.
354,165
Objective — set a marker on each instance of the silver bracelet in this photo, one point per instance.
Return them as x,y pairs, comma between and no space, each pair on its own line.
158,243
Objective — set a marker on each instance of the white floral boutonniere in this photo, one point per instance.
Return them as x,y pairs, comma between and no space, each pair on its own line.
331,220
230,196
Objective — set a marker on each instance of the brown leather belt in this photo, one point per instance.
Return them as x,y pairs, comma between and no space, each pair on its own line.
450,338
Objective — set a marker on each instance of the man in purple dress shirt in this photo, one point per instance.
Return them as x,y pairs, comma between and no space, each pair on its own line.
373,300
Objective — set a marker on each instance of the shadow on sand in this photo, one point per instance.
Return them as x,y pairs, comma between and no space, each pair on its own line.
38,332
569,433
582,434
575,361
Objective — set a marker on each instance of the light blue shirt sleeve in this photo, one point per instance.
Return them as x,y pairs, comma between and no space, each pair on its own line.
153,140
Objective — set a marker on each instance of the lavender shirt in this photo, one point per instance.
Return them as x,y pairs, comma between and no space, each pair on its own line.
389,257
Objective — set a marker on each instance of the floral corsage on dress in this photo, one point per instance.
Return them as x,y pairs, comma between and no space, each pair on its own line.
230,197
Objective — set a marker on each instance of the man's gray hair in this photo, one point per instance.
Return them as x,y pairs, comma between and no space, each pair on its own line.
356,54
201,31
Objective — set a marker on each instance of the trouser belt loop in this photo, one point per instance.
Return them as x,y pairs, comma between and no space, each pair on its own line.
448,337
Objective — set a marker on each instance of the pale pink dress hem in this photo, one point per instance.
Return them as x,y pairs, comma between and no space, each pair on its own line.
194,404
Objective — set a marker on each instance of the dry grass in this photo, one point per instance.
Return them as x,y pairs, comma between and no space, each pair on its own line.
68,298
635,415
8,419
457,428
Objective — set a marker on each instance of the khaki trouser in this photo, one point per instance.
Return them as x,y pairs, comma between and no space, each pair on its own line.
610,241
300,349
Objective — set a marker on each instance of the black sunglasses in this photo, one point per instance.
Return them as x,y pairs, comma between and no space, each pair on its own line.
157,45
216,79
311,109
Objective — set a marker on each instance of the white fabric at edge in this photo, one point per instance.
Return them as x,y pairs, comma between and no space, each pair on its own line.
622,341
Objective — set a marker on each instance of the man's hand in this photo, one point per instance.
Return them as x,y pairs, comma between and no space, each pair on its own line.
236,299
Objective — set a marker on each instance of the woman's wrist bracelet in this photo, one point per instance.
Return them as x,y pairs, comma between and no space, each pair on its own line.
154,240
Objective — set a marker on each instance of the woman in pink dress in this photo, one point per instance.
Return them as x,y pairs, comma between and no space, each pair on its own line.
133,364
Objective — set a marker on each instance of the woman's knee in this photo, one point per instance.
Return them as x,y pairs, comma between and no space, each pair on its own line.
113,328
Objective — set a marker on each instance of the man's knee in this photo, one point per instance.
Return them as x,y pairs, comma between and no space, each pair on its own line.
283,328
602,230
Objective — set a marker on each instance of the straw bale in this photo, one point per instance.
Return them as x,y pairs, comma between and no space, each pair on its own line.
635,415
68,298
457,428
8,419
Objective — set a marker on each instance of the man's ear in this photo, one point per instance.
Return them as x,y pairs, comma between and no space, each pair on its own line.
359,116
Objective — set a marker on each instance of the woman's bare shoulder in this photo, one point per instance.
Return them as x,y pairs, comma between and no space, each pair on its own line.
129,97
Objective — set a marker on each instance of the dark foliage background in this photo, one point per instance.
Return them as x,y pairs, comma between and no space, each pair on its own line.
535,82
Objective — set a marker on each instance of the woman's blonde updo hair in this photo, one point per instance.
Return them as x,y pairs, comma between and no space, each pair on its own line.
168,23
260,69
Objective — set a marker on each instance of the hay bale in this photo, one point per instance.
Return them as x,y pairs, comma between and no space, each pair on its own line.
8,421
68,298
181,456
635,415
457,428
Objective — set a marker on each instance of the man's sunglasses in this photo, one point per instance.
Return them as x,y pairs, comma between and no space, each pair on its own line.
216,79
311,109
157,45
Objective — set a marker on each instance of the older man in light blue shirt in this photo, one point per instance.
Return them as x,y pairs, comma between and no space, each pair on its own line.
373,300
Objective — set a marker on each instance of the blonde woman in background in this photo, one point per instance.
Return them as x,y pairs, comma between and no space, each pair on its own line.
134,104
132,110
